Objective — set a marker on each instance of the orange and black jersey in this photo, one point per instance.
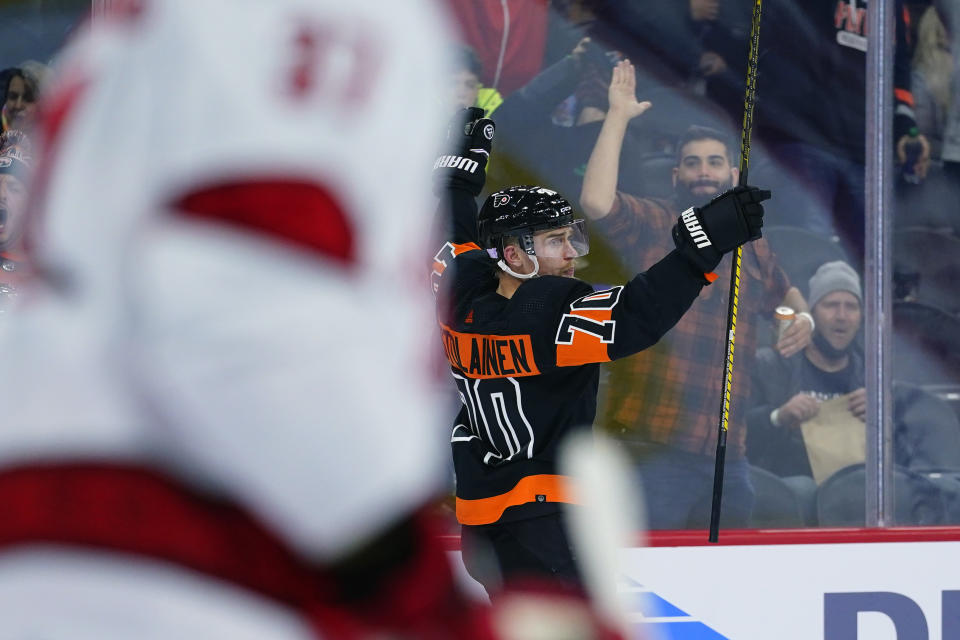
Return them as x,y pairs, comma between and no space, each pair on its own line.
527,367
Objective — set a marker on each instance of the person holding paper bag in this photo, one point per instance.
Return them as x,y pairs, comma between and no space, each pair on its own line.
806,413
788,392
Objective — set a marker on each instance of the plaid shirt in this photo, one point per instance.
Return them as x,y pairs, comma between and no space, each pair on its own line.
670,393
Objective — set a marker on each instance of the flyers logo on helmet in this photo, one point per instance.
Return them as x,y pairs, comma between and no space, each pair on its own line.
502,200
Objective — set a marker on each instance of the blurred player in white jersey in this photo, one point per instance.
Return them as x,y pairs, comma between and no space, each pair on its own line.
217,420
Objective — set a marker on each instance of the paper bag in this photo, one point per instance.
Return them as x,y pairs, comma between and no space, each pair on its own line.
834,438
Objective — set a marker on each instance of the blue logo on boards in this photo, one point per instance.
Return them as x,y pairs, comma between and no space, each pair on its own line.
657,618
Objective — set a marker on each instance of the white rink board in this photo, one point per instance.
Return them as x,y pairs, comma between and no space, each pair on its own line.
778,592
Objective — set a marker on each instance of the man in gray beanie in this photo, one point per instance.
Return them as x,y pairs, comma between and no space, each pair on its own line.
788,391
834,276
837,285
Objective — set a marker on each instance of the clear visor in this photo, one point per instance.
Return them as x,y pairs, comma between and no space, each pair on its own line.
570,241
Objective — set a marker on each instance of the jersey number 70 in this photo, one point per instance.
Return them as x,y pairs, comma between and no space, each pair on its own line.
585,332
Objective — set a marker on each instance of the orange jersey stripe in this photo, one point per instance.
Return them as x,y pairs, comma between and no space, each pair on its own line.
903,96
552,488
585,348
463,248
448,250
439,266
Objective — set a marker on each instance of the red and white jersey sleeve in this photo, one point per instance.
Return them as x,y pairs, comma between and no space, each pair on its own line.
237,193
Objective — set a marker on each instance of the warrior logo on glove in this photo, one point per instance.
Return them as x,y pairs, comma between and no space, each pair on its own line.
468,145
457,162
697,234
703,234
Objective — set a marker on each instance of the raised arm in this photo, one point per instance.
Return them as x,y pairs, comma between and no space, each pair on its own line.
460,172
531,104
600,180
606,325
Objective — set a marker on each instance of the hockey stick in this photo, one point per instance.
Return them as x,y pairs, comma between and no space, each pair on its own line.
749,99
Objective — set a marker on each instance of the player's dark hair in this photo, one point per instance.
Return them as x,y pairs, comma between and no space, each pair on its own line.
7,76
697,132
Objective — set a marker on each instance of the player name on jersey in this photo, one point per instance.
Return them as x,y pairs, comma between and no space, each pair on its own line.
489,356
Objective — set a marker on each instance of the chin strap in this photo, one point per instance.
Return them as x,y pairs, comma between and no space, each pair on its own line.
522,276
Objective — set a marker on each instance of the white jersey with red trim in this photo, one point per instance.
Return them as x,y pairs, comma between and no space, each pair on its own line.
231,211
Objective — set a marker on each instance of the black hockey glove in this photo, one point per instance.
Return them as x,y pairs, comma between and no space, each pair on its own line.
463,165
704,234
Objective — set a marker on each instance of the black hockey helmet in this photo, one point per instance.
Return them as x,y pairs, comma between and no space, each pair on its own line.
520,212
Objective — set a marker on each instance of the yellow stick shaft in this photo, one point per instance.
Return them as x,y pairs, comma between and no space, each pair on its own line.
750,96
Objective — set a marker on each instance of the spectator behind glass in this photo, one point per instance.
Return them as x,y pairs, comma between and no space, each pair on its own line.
950,150
685,51
5,75
811,116
525,122
15,157
14,165
509,37
20,95
467,90
930,203
664,402
787,392
540,95
932,70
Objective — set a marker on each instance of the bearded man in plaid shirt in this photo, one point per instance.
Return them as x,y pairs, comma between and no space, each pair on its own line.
667,405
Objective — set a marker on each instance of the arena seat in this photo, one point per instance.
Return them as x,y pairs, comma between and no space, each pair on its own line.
932,259
777,504
926,344
841,499
801,252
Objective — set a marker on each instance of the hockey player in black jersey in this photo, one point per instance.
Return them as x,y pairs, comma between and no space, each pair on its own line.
524,339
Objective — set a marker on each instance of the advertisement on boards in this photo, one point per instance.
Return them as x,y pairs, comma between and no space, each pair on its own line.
874,591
